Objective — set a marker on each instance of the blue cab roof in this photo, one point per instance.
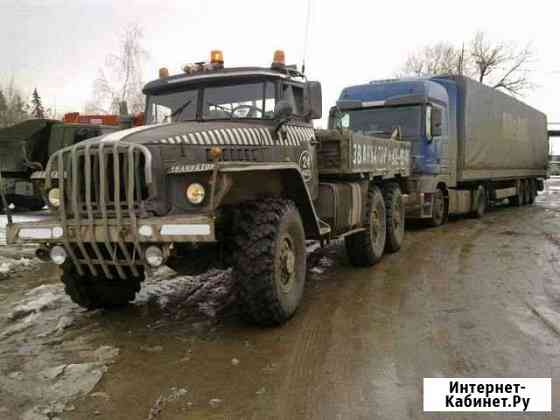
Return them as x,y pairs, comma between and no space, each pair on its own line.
396,91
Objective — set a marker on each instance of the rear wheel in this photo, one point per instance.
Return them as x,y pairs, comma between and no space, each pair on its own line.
93,292
532,191
525,191
270,260
395,209
365,248
517,200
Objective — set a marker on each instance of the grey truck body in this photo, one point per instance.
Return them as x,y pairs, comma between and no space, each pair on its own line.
498,136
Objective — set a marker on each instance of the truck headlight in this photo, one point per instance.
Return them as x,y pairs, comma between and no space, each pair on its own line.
196,193
54,197
58,255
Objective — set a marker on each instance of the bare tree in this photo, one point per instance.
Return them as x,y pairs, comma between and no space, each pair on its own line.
497,64
441,58
502,65
121,78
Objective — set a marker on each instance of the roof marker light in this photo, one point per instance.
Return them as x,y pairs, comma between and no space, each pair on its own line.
217,57
279,58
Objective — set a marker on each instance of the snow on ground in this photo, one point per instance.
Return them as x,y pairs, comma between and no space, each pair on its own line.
17,258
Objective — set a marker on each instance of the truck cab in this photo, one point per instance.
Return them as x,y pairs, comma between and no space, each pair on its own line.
425,116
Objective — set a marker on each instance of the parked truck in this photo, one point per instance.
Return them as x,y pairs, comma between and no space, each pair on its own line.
227,172
472,145
24,152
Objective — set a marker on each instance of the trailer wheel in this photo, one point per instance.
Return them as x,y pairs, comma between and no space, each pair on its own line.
532,191
525,191
92,292
482,202
395,210
270,260
365,248
517,200
439,209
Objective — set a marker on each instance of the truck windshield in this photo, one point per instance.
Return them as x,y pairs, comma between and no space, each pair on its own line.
251,100
233,101
382,121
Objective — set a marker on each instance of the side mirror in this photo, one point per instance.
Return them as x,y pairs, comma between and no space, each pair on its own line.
282,109
313,100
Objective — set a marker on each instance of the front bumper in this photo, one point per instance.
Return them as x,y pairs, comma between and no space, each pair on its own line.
110,248
169,229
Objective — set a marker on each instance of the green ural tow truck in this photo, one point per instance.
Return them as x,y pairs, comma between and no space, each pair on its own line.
227,172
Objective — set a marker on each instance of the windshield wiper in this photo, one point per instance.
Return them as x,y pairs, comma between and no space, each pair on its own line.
181,108
223,108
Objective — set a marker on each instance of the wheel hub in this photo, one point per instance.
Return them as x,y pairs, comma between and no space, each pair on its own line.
287,264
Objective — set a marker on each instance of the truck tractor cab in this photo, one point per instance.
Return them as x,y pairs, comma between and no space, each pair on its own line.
224,173
420,110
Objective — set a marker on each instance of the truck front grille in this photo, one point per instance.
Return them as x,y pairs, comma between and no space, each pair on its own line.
105,179
102,183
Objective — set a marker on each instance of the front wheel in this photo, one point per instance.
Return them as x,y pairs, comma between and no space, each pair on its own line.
92,292
439,210
365,248
270,260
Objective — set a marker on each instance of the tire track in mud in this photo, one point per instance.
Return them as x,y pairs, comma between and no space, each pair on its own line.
547,306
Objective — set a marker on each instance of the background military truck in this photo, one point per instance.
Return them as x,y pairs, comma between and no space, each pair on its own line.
25,149
22,152
471,145
227,172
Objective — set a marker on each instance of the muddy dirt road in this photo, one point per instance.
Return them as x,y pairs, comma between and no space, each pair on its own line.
475,298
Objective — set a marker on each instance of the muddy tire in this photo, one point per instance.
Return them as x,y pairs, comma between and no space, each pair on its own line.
99,292
270,260
439,210
365,248
395,216
481,204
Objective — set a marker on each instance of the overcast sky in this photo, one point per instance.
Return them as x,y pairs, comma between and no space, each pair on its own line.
58,46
